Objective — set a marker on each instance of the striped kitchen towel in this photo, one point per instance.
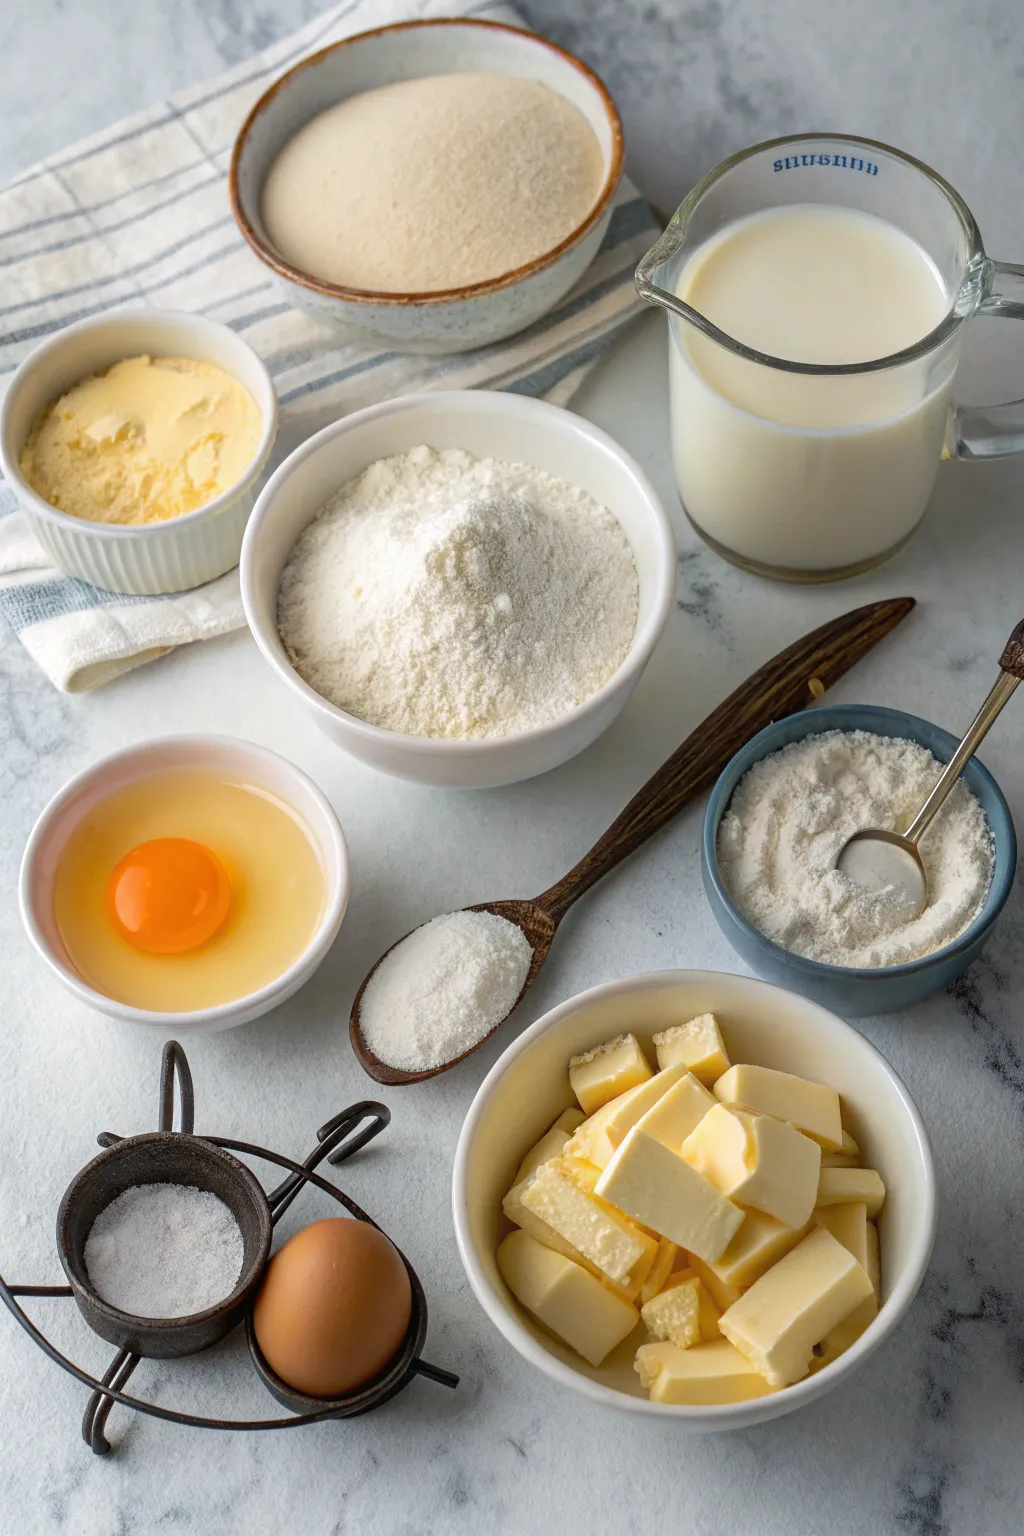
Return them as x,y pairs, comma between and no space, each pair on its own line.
139,215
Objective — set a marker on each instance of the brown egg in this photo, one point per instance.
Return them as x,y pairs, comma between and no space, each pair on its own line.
333,1308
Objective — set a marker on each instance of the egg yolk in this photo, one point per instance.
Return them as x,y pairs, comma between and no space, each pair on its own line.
169,896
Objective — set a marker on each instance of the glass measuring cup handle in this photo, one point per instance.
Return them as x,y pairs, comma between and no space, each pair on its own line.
991,431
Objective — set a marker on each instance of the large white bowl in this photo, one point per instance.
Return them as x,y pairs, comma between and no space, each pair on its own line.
241,760
490,425
527,1088
458,318
173,556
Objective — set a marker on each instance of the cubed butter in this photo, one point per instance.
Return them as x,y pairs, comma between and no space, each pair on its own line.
722,1293
705,1376
757,1161
551,1145
708,1310
849,1146
660,1270
698,1044
569,1120
844,1334
608,1070
839,1160
611,1242
849,1226
678,1112
542,1233
759,1243
810,1107
564,1297
656,1187
874,1265
777,1323
851,1186
674,1314
598,1137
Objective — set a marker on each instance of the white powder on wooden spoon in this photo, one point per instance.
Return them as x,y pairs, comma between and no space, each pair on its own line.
432,184
443,988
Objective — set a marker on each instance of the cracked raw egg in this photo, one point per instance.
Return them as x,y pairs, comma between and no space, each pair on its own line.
333,1308
183,890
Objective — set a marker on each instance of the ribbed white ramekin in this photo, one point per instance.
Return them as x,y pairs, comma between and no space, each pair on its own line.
174,556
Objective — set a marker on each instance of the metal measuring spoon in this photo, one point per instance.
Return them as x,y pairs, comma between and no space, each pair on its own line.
879,860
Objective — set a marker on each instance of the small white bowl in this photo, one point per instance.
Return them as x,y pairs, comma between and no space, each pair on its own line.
173,556
528,1087
488,424
457,318
241,760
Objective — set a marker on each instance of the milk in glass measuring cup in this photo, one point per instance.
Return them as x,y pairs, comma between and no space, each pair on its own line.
817,288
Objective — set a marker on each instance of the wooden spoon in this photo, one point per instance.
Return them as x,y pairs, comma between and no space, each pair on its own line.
796,677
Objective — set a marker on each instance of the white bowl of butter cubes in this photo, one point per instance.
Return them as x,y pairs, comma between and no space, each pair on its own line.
696,1196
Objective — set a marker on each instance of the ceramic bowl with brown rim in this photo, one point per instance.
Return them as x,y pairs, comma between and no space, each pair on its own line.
450,320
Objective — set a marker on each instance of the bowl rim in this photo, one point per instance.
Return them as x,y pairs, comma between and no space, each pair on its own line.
335,898
722,793
728,1415
483,402
40,507
284,269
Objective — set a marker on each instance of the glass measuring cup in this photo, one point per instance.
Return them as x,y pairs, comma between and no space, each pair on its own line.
832,471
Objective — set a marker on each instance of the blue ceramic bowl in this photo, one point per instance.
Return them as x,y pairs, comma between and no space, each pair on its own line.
842,988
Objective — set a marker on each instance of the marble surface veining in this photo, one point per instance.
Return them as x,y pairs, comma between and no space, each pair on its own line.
925,1440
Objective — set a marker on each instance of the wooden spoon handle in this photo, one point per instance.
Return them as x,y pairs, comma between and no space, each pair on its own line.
1012,659
781,687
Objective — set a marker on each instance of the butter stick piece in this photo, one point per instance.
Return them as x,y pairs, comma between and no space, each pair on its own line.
678,1112
551,1145
873,1265
660,1270
721,1292
709,1375
608,1070
674,1314
564,1297
569,1121
839,1339
659,1189
549,1238
757,1161
839,1160
597,1138
777,1323
851,1186
611,1243
759,1243
708,1310
849,1226
698,1044
810,1107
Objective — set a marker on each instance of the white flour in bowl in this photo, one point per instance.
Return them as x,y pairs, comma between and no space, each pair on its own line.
447,596
791,814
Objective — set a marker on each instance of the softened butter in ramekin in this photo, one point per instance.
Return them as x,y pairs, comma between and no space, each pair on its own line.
146,440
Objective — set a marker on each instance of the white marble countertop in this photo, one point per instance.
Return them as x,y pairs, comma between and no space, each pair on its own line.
926,1439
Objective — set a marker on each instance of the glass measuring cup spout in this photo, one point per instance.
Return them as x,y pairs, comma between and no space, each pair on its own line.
792,461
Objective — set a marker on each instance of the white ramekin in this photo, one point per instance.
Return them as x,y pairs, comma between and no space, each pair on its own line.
489,424
242,760
528,1087
185,551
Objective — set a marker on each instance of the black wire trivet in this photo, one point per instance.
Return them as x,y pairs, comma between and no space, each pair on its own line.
337,1140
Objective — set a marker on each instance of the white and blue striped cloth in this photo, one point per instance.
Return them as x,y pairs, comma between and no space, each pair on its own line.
139,215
